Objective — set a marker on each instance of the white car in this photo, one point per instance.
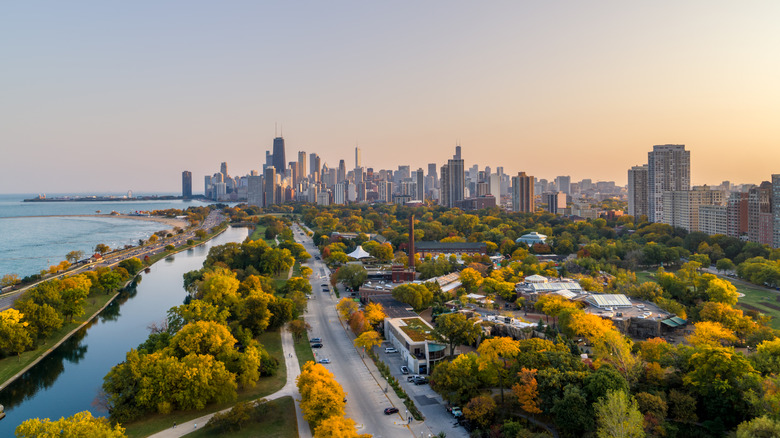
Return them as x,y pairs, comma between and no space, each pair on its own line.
391,350
325,360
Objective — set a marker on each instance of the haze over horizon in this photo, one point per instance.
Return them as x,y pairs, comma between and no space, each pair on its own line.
107,97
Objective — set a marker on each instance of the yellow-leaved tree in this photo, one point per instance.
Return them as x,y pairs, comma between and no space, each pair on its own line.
82,424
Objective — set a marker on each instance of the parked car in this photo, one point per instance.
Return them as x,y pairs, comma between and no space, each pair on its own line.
454,411
318,345
412,377
391,350
420,380
404,370
390,411
315,340
325,360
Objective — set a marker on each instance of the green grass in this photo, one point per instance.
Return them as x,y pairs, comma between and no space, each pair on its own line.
10,366
303,351
645,276
755,297
272,341
278,422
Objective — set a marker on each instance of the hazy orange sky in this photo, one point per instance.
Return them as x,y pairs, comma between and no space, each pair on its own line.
107,96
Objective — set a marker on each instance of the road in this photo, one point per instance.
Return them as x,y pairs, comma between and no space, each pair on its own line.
214,218
366,397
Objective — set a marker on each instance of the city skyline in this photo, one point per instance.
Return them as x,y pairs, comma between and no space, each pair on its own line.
567,89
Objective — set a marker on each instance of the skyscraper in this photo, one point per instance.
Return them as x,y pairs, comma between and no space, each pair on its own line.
223,170
523,193
342,173
564,184
301,165
453,180
358,157
269,179
186,184
280,163
420,184
314,167
637,191
669,169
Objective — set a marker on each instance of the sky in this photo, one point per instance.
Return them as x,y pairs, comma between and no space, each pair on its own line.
100,96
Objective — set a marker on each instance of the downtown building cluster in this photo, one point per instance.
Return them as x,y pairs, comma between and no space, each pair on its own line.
661,190
308,179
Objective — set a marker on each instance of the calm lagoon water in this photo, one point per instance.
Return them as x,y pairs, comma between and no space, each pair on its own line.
68,380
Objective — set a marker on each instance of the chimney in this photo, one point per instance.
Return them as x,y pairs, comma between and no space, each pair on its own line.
411,242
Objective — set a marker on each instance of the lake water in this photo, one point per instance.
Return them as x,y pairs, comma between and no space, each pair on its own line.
68,380
30,244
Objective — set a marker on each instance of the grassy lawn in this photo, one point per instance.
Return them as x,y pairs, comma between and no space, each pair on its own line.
259,233
12,365
303,351
278,422
756,298
272,341
645,276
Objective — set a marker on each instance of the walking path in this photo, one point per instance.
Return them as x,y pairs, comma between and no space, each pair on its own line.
289,390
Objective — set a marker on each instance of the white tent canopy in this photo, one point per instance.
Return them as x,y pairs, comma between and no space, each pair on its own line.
359,253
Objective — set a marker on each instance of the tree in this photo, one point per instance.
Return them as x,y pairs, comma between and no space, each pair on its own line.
338,427
711,334
374,313
368,340
102,248
458,381
722,291
132,265
346,307
202,338
9,280
760,427
14,335
471,279
494,354
321,396
43,319
454,328
527,391
353,275
82,424
298,327
480,410
724,265
572,412
416,295
74,291
618,416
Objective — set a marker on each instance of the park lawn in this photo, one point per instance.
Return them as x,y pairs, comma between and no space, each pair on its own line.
756,298
303,351
278,422
272,341
10,366
645,276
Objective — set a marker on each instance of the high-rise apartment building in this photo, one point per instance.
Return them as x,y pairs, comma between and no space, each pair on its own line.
760,214
358,157
638,191
669,169
564,184
737,214
254,191
556,202
280,163
314,167
523,193
420,179
269,178
186,184
713,219
776,210
681,208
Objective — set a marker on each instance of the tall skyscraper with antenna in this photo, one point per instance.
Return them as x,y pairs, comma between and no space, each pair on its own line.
358,157
280,162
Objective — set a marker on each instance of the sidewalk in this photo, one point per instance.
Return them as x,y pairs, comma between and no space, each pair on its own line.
289,389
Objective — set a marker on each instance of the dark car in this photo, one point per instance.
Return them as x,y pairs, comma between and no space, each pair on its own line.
420,381
318,345
390,411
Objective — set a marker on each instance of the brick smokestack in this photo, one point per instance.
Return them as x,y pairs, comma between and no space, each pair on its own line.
411,242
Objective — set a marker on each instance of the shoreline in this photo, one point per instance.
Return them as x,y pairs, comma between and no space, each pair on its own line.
172,222
44,354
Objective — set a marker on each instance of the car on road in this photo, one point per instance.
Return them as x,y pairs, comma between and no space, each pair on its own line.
391,350
404,370
317,345
455,411
316,257
325,360
412,377
313,340
391,411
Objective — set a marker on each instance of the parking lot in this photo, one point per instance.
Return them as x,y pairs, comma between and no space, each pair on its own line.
432,406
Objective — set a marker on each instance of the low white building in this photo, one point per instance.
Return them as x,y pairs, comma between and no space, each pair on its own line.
414,340
532,238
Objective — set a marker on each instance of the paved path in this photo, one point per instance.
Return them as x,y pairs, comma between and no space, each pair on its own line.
289,390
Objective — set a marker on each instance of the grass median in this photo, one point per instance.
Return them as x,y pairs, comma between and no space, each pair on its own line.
279,421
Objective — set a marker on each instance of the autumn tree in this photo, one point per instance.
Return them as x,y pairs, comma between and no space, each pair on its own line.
14,334
471,279
74,291
357,322
82,424
617,416
527,391
460,380
495,355
102,248
711,334
321,396
416,295
346,307
374,313
353,275
74,256
43,319
722,291
481,410
455,329
759,427
368,340
9,280
338,427
298,328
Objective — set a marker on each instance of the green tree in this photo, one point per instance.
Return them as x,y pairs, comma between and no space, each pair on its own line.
618,416
353,275
416,295
760,427
455,329
74,256
74,291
